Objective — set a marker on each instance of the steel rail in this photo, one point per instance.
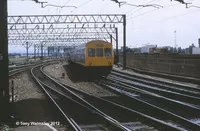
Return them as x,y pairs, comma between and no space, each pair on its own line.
108,118
141,91
21,68
180,80
70,120
12,68
120,106
129,95
188,86
62,94
156,84
193,100
16,71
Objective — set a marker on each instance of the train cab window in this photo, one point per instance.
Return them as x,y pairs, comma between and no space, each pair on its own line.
107,52
99,52
91,52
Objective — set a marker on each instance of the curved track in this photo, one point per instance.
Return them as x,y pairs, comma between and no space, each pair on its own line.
138,106
79,109
117,103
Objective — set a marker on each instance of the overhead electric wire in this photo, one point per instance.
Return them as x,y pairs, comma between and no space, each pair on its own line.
160,21
164,20
138,9
148,5
155,9
180,15
177,4
64,5
43,6
82,5
194,6
133,17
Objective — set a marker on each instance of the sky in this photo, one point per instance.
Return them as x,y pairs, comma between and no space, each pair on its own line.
172,24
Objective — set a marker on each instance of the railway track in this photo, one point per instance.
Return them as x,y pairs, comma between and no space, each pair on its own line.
137,111
113,106
181,79
19,70
85,115
13,70
148,100
176,86
172,91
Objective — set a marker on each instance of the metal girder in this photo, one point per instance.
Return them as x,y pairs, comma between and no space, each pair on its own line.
61,25
58,37
47,27
62,44
56,34
64,41
59,19
59,30
47,24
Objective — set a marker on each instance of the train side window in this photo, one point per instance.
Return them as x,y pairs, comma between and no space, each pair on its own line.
91,52
107,52
99,52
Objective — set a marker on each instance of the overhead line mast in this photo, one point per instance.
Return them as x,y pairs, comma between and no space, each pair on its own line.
4,90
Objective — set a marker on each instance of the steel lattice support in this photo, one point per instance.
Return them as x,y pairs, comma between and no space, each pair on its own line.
4,89
49,27
117,53
57,37
27,45
58,30
59,19
124,46
57,34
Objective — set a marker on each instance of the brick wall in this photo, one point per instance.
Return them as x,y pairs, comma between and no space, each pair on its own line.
177,64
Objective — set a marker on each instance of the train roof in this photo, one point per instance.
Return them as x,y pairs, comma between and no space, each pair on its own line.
83,45
97,41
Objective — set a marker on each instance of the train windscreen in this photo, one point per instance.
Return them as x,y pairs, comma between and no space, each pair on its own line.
99,52
91,52
107,52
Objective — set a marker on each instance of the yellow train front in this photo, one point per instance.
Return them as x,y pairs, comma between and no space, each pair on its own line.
97,57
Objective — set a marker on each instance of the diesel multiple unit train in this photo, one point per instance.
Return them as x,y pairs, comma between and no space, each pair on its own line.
96,57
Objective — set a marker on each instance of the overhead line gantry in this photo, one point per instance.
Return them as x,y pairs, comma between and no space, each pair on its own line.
55,27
